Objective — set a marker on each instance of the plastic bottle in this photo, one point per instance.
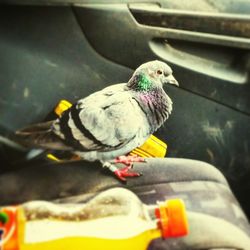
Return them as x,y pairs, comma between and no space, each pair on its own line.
114,219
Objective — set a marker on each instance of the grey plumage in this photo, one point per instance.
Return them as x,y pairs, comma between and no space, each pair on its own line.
113,121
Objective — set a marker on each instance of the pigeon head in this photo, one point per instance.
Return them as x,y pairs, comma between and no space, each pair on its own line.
152,75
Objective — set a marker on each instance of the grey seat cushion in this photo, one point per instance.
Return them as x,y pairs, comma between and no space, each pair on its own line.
216,218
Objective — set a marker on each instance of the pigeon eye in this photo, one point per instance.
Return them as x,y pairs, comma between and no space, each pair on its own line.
159,72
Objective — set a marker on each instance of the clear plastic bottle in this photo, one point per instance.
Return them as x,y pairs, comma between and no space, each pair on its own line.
114,219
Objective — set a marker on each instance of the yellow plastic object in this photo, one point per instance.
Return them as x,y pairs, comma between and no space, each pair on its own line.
153,147
52,157
44,225
62,106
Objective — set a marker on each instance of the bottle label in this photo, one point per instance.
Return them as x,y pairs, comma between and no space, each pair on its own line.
1,237
8,228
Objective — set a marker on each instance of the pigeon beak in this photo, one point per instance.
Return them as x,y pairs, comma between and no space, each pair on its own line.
171,80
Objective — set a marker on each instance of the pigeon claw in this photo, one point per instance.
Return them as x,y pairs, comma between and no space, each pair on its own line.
129,159
122,173
125,172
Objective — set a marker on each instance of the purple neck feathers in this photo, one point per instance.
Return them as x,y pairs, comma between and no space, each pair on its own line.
157,105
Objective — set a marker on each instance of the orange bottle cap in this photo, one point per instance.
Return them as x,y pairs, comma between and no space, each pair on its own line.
172,218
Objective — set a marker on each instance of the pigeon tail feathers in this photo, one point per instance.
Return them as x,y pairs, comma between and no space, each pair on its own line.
40,135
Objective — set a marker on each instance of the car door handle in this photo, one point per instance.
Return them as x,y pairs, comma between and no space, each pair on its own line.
211,28
189,35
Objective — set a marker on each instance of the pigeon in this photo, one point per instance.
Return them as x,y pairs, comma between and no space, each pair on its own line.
108,124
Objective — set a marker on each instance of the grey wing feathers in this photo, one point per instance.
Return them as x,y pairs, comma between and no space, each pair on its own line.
104,121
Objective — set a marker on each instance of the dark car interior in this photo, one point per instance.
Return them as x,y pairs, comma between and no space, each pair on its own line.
66,49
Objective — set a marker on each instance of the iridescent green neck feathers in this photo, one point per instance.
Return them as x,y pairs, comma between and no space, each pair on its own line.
141,83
